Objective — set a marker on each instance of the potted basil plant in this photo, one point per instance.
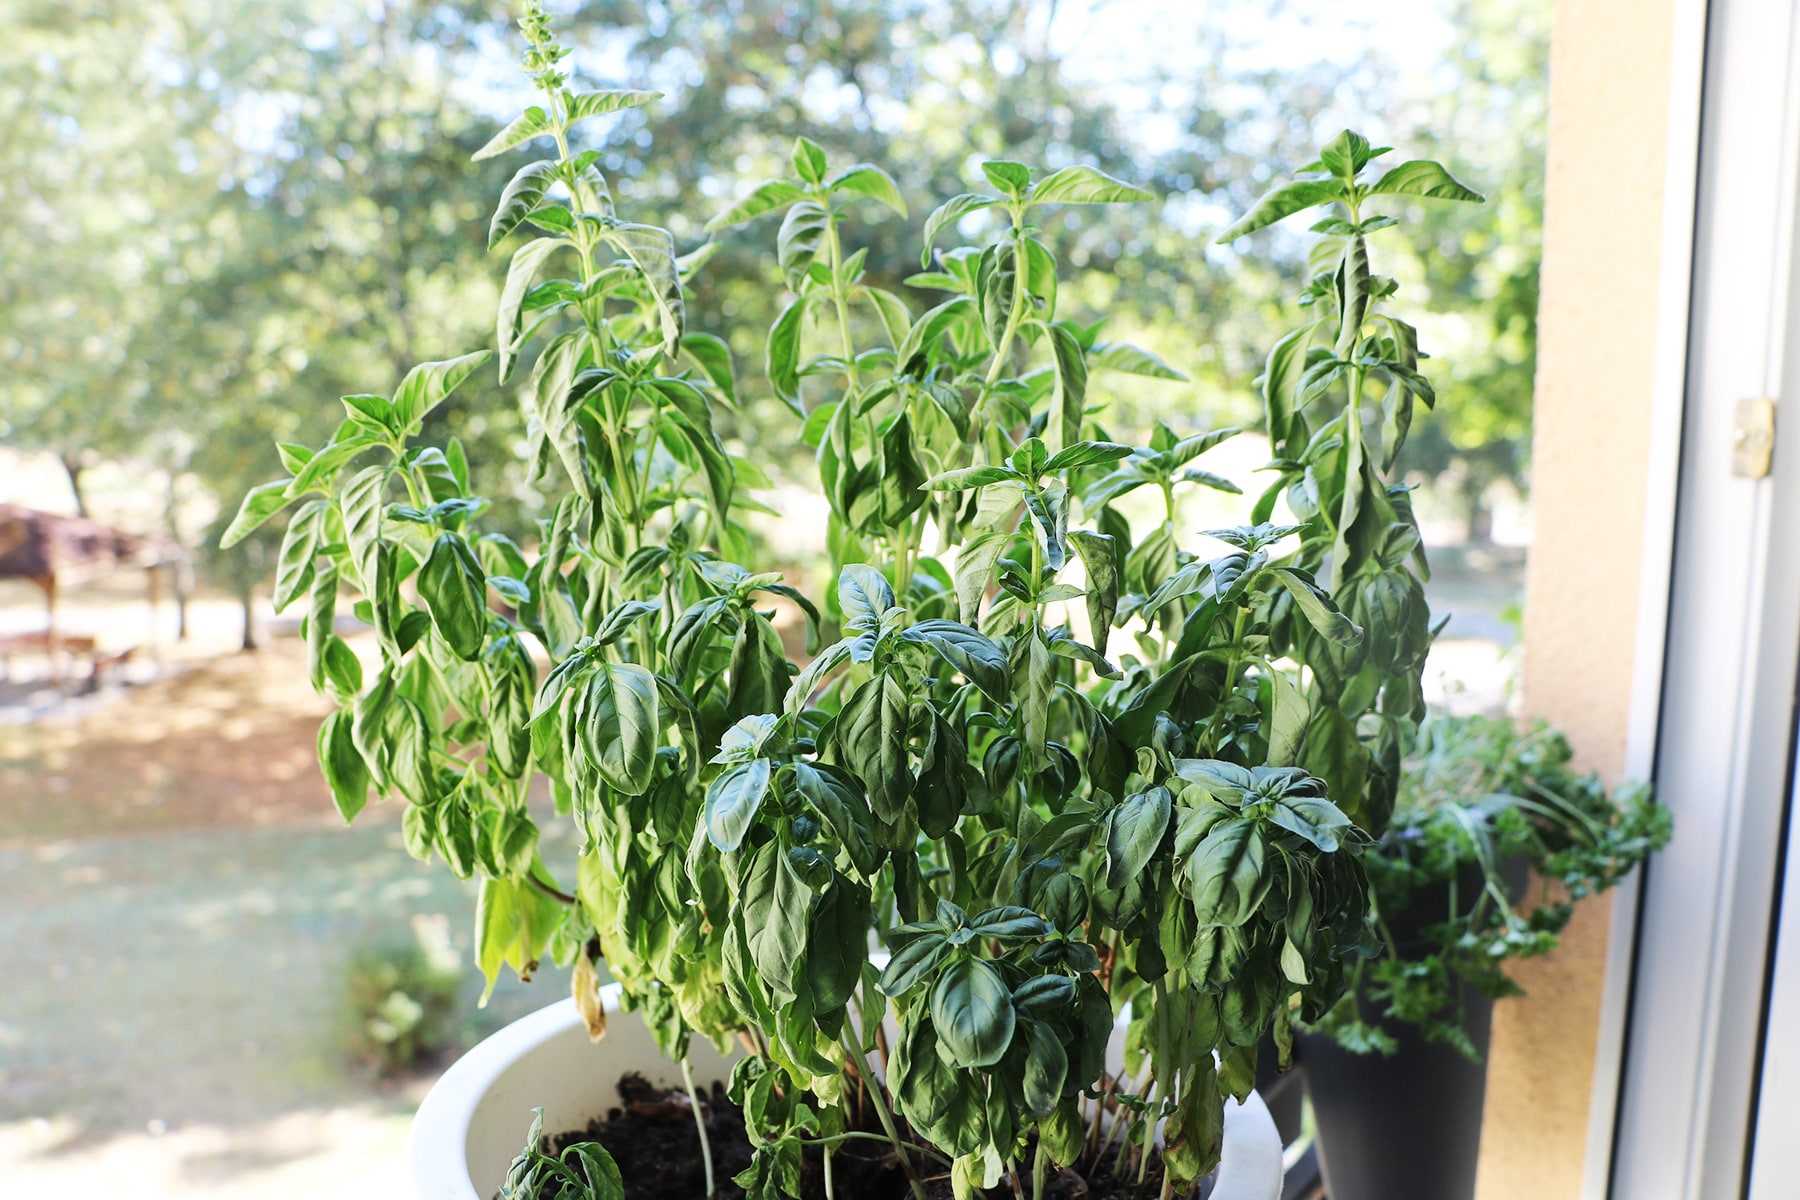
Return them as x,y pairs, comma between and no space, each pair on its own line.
1494,839
1095,790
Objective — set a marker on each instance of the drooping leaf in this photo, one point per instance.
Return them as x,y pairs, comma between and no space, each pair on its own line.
1070,402
526,262
524,192
764,198
454,588
870,180
1100,556
1423,178
784,353
342,765
837,942
833,795
652,250
1132,360
978,657
1085,185
948,213
259,504
1282,201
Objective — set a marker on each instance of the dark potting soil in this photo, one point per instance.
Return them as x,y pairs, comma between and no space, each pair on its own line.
651,1136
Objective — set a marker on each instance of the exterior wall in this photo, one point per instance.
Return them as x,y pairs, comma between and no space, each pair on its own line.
1609,83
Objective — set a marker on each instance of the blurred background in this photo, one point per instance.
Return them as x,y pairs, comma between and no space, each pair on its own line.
221,215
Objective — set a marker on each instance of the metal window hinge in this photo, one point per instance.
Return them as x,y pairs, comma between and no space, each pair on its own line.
1753,438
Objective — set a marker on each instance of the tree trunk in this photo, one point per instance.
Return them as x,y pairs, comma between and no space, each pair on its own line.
247,597
180,583
1478,518
72,466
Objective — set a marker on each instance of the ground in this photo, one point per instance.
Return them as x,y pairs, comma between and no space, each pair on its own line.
183,900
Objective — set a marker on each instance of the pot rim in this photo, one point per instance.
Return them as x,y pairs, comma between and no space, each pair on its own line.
1250,1166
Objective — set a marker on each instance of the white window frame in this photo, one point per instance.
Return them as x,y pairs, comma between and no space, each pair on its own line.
1683,1014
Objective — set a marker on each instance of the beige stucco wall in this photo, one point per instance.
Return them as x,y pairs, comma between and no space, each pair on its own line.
1609,83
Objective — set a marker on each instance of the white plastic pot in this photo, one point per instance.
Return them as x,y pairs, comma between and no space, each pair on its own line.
473,1120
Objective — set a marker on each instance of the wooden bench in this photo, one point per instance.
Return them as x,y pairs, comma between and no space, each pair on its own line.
66,646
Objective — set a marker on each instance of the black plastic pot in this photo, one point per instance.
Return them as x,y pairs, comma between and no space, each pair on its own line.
1405,1126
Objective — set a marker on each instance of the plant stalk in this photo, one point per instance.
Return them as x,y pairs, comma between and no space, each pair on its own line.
687,1081
878,1094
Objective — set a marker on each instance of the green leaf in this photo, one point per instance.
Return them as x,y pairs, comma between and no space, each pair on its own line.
1133,832
837,947
759,678
1100,556
732,801
531,123
1316,605
594,104
871,181
1046,1068
922,338
979,658
902,476
1085,185
454,588
784,353
1288,712
1226,876
808,160
1070,402
427,384
912,963
1086,454
526,262
799,240
871,735
1010,177
972,1012
1283,201
652,250
1131,360
764,198
1347,154
362,503
342,765
1424,178
523,193
299,546
714,357
620,724
775,904
896,318
975,570
262,502
834,797
948,213
965,479
863,595
1314,818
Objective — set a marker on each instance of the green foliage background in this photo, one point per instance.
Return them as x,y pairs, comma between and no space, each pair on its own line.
225,213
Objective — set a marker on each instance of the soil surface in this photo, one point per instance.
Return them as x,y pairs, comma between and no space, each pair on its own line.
651,1136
